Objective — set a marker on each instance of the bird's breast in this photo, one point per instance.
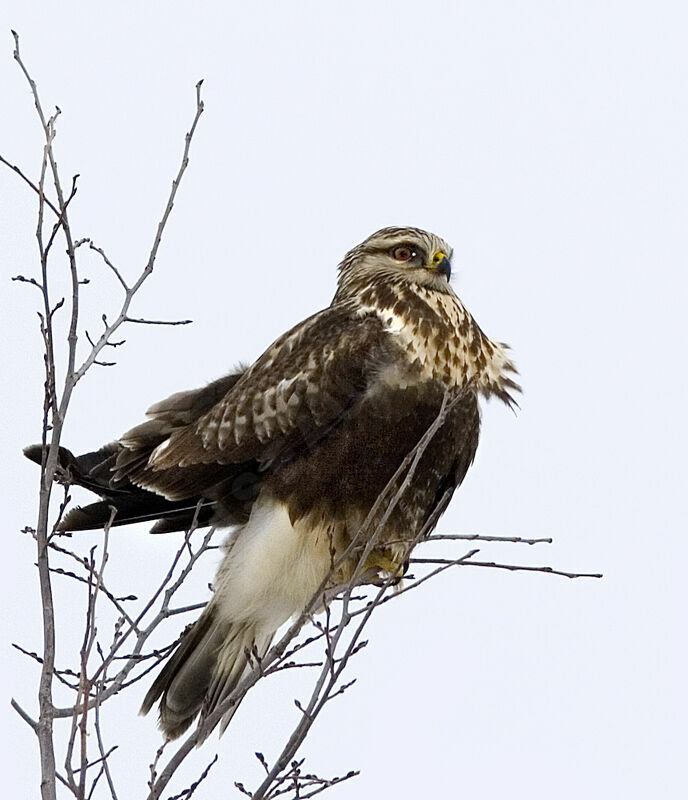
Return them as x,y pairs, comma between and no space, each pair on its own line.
436,339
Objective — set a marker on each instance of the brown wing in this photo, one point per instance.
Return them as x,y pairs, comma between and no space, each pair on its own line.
291,397
164,418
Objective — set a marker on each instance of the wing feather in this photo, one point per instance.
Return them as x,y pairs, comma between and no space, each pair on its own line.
164,418
293,394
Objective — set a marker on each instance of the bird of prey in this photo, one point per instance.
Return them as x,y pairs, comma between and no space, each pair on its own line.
293,451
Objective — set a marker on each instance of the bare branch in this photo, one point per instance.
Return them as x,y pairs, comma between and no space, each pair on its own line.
101,747
59,673
45,719
186,793
479,537
27,719
116,602
23,279
169,588
159,321
153,766
131,291
107,261
36,189
510,567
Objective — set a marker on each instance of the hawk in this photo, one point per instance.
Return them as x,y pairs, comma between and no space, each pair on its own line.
293,451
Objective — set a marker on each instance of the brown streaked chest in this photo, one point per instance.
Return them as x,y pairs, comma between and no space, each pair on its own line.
439,339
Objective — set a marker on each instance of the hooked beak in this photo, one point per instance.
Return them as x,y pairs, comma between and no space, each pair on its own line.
442,264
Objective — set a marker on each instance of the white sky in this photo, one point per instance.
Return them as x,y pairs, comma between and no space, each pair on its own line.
547,142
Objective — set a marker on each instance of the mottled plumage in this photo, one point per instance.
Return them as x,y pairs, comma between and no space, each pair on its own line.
295,450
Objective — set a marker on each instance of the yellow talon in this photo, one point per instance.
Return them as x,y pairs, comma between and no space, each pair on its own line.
384,563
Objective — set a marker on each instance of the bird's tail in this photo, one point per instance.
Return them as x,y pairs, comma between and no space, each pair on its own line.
94,471
212,657
270,571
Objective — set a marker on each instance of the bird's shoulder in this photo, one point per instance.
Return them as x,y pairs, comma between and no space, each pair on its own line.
303,382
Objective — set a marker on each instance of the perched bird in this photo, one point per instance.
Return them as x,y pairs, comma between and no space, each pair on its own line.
294,450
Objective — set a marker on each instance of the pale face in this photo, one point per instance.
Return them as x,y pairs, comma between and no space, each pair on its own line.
421,257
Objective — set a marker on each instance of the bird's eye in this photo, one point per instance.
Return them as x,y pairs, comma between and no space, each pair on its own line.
403,253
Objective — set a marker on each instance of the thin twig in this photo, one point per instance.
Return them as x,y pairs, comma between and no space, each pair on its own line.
479,537
186,793
101,747
123,315
19,172
159,321
168,589
27,719
510,567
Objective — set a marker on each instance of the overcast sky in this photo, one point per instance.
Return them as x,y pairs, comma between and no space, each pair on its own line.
547,142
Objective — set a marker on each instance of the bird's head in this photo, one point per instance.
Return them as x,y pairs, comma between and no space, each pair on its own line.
410,253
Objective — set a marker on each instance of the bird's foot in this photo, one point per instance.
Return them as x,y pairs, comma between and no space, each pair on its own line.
383,562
